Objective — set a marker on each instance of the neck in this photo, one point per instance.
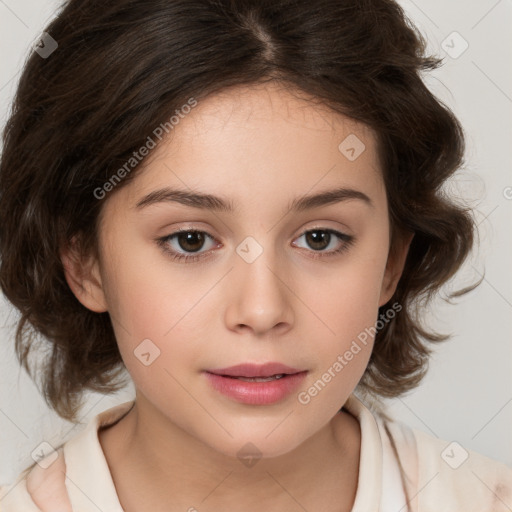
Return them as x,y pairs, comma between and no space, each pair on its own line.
173,470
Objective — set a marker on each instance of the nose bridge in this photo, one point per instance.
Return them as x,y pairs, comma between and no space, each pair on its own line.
259,296
258,264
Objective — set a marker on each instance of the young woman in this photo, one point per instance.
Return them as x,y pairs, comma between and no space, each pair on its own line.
238,202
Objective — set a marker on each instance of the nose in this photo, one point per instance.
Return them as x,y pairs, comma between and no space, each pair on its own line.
259,296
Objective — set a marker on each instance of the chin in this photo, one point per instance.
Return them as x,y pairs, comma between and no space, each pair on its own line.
265,443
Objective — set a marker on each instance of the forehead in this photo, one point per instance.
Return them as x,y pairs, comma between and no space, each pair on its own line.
261,142
261,111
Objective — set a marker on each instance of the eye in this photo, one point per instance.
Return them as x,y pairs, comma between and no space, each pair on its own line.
191,241
321,238
185,239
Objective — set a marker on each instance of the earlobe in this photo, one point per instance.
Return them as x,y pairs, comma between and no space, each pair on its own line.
395,266
84,278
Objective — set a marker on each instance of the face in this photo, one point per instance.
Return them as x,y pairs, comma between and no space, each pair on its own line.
193,290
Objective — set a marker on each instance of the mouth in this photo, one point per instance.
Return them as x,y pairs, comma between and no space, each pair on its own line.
256,384
256,371
259,379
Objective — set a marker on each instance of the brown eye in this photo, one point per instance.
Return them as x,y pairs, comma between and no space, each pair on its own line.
182,244
190,241
318,239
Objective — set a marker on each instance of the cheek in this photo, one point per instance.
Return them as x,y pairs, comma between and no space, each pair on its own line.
150,292
349,300
343,351
347,312
155,308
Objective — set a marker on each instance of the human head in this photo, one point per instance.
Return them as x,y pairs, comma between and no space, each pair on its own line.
122,70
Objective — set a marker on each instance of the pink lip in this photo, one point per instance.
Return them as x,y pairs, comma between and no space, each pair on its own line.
254,370
226,382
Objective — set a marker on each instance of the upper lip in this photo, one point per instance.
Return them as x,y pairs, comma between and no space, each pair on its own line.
255,370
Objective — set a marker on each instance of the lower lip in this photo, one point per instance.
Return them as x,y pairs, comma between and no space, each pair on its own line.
256,393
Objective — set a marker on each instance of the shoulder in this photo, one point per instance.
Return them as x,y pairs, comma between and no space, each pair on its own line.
39,488
56,482
439,473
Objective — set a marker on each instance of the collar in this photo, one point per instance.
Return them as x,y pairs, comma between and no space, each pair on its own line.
90,486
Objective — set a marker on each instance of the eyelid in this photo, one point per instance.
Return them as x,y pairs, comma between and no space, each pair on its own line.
164,242
346,239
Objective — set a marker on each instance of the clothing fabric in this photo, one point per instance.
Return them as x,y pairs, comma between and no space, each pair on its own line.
401,469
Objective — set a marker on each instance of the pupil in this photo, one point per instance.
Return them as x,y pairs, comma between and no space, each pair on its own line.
192,240
316,241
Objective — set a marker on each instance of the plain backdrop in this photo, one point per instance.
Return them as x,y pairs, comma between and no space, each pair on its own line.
467,394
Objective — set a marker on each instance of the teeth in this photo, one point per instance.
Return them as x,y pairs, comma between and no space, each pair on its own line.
262,379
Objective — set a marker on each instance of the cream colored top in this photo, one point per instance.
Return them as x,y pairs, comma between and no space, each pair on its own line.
401,470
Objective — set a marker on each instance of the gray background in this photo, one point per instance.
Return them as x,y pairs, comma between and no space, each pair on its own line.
467,394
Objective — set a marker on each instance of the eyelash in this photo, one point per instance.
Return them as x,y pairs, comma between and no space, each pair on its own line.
163,243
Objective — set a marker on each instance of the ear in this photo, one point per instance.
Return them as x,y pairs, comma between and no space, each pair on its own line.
395,265
83,277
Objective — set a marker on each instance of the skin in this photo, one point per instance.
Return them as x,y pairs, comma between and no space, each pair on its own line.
259,147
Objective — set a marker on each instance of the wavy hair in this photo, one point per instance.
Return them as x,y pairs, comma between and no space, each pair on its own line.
122,67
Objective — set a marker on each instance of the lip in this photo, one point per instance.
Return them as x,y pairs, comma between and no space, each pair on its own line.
255,370
225,381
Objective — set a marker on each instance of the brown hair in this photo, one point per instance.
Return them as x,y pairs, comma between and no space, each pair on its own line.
123,67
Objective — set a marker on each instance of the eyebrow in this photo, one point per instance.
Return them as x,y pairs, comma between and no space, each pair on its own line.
219,204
